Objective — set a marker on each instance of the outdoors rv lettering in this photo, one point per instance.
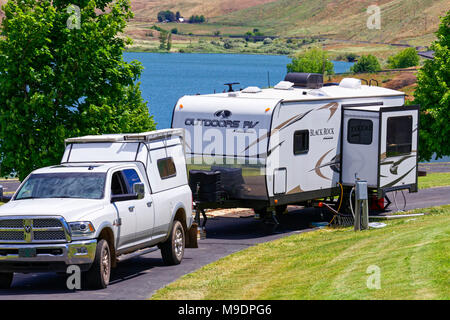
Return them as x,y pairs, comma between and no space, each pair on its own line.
223,123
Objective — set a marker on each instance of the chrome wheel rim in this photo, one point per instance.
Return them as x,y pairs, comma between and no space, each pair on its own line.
178,242
106,265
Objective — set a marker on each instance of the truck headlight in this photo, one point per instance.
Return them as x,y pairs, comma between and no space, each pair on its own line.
81,228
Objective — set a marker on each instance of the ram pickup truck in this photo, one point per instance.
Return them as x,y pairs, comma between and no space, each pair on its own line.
111,196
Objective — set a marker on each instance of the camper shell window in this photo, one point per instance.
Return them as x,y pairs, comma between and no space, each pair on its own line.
166,168
399,136
360,131
301,142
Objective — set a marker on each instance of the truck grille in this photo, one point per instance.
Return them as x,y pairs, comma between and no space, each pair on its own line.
35,229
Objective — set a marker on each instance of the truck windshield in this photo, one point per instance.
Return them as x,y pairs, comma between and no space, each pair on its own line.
63,185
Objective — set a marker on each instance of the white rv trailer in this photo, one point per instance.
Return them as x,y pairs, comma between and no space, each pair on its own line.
301,139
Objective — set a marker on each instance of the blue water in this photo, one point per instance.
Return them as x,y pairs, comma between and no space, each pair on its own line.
168,77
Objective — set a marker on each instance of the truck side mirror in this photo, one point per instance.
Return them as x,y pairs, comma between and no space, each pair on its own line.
139,189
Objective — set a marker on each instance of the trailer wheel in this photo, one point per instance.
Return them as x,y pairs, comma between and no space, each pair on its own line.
6,279
172,250
97,277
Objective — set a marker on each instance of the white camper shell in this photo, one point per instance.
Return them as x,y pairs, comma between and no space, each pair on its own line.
148,148
298,142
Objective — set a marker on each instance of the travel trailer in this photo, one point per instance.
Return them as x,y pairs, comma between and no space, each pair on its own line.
299,141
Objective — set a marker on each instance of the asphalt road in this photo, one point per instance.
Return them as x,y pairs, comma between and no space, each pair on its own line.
140,277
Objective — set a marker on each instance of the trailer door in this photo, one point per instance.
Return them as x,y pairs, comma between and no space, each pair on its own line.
398,148
360,146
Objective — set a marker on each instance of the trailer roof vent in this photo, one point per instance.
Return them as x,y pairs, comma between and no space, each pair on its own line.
284,85
350,83
305,80
252,90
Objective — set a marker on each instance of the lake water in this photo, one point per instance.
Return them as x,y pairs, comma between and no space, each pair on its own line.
168,77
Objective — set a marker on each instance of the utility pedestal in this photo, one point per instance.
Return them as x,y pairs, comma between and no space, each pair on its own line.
361,205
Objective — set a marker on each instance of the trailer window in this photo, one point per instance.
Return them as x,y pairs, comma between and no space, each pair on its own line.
360,131
399,136
166,168
301,142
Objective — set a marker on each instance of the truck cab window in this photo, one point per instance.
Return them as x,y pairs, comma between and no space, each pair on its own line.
399,136
118,184
360,131
301,142
166,168
131,177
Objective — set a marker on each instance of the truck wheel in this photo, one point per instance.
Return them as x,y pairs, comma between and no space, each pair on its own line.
97,277
172,250
6,280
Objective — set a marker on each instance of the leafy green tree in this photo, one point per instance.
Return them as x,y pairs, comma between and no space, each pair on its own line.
59,81
433,95
163,39
169,42
367,63
314,60
404,59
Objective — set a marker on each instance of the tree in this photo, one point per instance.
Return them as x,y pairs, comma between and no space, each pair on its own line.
58,81
177,15
163,39
433,95
404,59
166,15
367,63
169,42
314,60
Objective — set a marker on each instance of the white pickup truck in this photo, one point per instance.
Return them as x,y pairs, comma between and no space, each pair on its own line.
111,196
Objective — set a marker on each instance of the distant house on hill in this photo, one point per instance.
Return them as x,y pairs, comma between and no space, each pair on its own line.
180,19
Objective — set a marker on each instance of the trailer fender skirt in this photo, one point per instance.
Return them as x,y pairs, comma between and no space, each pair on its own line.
191,239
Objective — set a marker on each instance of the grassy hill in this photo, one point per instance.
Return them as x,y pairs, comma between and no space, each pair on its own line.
147,10
413,21
343,19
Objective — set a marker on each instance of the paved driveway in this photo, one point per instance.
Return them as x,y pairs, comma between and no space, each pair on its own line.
140,277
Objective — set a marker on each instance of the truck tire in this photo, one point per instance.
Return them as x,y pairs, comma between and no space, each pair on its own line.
6,279
172,250
97,277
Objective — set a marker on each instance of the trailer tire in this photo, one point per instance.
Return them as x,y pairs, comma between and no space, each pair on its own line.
6,279
97,277
172,250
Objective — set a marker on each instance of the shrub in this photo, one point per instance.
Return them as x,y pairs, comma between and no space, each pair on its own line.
313,60
367,63
404,59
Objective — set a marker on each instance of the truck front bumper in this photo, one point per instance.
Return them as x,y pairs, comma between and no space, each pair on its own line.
27,258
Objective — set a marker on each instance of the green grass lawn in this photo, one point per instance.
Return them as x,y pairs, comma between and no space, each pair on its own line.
433,180
413,256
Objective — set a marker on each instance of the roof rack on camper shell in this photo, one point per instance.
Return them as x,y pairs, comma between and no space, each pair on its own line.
132,137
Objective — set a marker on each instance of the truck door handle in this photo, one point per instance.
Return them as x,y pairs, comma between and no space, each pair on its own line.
131,208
